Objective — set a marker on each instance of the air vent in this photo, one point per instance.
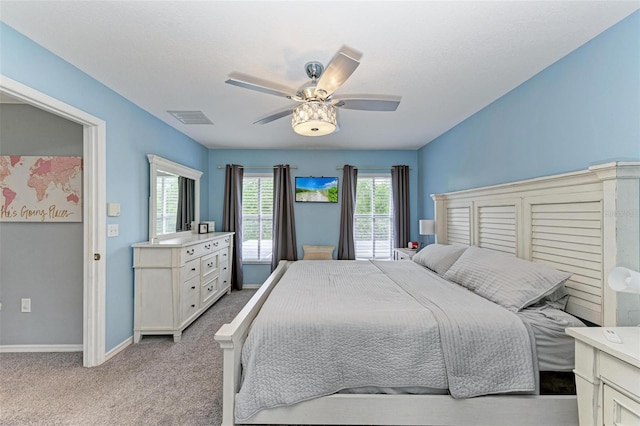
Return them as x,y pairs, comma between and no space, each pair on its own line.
191,117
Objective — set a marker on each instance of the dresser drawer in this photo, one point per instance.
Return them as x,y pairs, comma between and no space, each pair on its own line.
210,265
224,256
191,269
196,250
618,409
209,289
190,287
620,373
225,268
224,276
221,243
190,303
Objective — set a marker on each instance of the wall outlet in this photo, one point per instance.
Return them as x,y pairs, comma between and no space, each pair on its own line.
25,305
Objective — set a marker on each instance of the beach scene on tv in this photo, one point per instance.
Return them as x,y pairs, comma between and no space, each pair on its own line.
317,189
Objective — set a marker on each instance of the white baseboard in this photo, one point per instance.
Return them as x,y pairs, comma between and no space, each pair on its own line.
40,348
113,352
251,286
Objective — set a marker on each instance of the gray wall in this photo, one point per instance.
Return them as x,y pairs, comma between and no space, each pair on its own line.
41,261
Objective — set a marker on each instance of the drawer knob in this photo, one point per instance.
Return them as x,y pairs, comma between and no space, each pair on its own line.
210,264
190,252
225,268
226,240
193,269
193,306
208,246
215,244
193,287
225,254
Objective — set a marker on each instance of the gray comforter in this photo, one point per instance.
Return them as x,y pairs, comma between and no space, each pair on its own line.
331,325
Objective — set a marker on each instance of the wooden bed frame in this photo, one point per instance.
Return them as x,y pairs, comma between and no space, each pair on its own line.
517,218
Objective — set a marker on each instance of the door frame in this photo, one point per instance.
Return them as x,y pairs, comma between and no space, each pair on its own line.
94,214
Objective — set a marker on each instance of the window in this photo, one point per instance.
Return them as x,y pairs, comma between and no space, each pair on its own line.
374,217
166,203
257,217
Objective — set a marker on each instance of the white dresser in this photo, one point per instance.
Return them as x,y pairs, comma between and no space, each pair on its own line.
607,376
176,280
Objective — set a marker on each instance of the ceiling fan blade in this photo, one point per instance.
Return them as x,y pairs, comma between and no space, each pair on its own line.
337,71
254,83
275,115
367,102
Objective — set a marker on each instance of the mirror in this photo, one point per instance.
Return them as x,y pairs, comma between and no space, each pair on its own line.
174,198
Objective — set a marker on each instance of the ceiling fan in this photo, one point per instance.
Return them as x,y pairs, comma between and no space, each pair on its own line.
315,113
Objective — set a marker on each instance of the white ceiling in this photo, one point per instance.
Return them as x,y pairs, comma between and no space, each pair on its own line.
447,59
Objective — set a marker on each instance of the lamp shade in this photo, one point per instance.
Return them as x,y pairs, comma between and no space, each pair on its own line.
427,227
624,280
314,118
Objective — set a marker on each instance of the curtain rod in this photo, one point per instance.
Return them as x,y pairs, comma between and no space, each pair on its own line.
256,167
370,168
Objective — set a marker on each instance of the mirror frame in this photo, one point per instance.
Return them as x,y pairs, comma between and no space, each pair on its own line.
158,163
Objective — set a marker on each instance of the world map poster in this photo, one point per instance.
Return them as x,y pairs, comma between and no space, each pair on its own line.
40,189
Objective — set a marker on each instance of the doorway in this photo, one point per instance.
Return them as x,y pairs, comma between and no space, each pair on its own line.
94,206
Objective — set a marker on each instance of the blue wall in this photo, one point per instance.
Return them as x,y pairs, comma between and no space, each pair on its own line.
315,223
580,111
132,133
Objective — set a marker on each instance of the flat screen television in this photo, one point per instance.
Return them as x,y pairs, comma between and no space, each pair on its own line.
317,189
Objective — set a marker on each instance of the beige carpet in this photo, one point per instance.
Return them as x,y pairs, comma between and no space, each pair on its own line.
155,382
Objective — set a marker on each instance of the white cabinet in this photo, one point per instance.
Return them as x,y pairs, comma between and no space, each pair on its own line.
176,280
607,376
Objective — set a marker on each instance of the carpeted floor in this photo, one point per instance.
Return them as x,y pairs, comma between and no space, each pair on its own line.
155,382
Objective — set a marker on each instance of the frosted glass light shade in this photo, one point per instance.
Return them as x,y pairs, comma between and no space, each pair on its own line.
314,119
624,280
427,227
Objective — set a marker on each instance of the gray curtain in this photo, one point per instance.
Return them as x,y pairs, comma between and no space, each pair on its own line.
186,202
284,226
400,189
346,245
232,218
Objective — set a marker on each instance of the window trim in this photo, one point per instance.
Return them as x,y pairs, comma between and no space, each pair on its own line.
256,261
386,175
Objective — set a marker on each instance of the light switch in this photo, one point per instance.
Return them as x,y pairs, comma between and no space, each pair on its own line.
113,209
112,230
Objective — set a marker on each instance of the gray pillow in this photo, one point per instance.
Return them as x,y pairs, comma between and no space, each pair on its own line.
504,279
438,257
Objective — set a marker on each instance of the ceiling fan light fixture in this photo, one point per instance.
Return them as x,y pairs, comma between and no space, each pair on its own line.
314,118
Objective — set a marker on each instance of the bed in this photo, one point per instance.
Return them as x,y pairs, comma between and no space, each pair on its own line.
379,367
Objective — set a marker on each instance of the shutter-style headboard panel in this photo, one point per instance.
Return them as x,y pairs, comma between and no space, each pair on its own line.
459,225
497,228
584,222
568,237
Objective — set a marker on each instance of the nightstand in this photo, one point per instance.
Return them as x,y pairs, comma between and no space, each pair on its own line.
403,253
607,376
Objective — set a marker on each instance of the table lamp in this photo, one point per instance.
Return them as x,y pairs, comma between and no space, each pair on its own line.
624,280
427,227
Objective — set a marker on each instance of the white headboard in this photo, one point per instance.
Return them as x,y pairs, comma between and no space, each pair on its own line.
584,222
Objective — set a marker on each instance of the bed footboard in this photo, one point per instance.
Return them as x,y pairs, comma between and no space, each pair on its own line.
232,336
